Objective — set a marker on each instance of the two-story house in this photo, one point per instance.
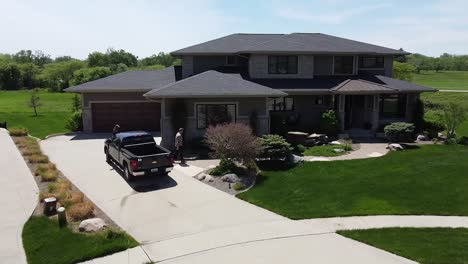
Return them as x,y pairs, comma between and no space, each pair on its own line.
277,81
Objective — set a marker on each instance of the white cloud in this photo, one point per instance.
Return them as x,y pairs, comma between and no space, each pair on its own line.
333,17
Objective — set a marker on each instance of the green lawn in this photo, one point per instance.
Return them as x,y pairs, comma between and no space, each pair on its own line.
446,80
444,98
45,243
53,113
424,245
323,151
428,180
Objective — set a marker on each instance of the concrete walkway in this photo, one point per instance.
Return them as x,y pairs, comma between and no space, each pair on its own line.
454,91
18,198
366,150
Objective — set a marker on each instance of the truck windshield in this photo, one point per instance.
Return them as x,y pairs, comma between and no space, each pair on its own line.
137,140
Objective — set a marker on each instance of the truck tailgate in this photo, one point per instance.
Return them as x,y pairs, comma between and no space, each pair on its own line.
154,161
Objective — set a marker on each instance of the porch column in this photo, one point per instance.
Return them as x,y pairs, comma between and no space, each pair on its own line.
375,112
341,110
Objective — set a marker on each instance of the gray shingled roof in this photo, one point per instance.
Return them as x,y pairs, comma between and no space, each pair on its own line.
130,81
214,84
291,43
362,87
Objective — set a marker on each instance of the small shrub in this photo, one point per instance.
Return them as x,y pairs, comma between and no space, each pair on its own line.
38,158
75,122
431,128
233,141
329,122
49,175
275,147
44,167
80,211
347,147
60,190
31,151
450,141
225,166
73,198
18,131
238,186
399,131
300,148
463,140
453,115
26,142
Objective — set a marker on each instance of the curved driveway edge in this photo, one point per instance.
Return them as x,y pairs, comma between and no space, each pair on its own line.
18,198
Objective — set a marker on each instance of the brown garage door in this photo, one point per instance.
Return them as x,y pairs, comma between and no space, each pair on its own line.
130,116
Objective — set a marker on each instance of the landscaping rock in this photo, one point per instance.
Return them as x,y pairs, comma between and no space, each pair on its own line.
395,147
209,178
231,177
294,159
201,176
338,150
422,137
92,225
335,143
296,137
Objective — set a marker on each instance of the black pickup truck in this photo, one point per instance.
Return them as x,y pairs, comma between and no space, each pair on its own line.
137,154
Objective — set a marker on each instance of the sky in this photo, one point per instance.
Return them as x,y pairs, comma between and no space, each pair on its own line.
145,27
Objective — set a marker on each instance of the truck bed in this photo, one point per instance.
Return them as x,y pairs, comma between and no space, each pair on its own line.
145,149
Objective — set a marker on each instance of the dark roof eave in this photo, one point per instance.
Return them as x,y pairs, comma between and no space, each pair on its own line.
214,96
175,53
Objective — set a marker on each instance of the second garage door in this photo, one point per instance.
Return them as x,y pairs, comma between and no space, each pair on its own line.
130,116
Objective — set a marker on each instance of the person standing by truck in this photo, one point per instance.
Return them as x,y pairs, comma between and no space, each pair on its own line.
179,145
115,130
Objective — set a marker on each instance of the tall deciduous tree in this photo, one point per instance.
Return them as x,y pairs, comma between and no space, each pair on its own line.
10,76
57,76
403,71
89,74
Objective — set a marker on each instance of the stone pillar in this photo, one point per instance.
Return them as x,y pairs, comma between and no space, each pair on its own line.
87,119
341,110
410,107
375,112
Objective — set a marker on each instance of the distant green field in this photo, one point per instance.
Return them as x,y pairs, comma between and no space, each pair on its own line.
446,80
53,113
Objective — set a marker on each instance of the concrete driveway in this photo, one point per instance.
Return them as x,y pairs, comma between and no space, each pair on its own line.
180,220
18,198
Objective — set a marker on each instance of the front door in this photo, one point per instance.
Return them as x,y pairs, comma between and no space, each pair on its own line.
355,111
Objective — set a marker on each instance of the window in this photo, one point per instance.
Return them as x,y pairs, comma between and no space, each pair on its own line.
282,104
371,62
231,60
214,114
319,100
344,65
282,64
392,106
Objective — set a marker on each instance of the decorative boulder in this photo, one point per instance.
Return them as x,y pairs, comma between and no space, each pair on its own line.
200,176
335,143
294,159
92,225
421,137
338,150
296,137
231,177
320,139
209,178
395,147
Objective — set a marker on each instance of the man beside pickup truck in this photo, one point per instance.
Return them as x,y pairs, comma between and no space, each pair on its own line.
179,145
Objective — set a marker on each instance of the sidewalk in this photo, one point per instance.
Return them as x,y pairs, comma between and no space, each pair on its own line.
18,198
366,150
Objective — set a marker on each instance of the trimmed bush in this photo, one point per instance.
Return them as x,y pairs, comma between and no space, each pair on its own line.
225,166
39,158
300,148
80,211
18,131
73,198
330,123
75,122
432,128
275,147
463,141
399,131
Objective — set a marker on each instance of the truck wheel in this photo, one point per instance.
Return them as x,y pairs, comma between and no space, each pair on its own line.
128,175
108,158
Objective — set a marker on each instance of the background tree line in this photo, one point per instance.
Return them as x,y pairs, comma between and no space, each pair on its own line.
26,69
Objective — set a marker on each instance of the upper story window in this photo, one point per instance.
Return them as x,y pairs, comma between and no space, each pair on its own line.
231,60
282,64
371,62
343,65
